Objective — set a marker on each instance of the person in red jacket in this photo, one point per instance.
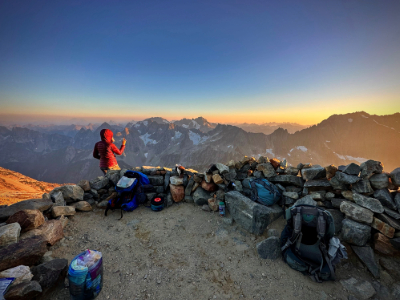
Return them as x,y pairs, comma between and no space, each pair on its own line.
105,150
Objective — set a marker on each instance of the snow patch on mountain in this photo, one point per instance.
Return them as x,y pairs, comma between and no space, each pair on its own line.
348,157
178,134
269,151
196,138
147,140
302,148
185,126
195,124
364,116
146,154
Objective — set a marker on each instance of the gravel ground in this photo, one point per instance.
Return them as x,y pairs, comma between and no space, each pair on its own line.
185,253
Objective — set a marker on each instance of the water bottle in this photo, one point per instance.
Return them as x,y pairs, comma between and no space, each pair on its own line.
221,208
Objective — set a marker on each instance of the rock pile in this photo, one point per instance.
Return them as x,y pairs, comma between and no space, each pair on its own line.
363,200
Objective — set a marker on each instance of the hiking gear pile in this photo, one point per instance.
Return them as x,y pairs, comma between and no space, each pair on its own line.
131,189
308,244
264,192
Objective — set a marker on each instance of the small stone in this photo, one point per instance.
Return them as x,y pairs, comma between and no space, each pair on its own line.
395,177
291,195
382,244
71,193
85,185
288,180
209,187
329,195
330,171
347,195
269,248
176,180
275,162
58,198
267,169
308,200
213,204
59,211
82,206
292,171
222,168
383,227
205,207
313,173
217,179
352,169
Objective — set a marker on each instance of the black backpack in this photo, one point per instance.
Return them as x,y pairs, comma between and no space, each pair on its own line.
306,239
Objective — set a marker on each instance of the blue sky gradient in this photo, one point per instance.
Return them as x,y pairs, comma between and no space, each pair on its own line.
254,61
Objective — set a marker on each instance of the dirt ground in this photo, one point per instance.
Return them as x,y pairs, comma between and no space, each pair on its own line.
185,253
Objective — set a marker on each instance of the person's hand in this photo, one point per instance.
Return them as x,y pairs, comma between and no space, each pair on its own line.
123,141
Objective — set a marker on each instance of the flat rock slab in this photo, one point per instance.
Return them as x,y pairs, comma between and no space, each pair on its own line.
392,222
317,183
385,198
356,212
59,211
382,244
372,204
288,180
250,215
359,288
366,255
20,273
40,204
24,291
383,228
26,252
28,219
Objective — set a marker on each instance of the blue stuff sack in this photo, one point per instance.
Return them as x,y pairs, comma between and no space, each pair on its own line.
85,283
264,191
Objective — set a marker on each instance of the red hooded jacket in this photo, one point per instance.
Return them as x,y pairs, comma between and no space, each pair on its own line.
106,150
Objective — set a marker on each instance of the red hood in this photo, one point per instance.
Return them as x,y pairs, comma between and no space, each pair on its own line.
106,135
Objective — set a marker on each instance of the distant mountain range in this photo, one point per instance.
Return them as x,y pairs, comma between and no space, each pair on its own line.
268,128
64,154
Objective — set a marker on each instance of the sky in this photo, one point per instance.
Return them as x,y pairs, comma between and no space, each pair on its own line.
226,60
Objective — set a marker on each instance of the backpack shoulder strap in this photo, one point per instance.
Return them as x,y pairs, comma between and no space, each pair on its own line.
254,191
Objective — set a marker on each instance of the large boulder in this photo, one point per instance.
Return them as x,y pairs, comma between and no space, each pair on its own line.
177,192
209,186
267,169
395,177
200,196
26,252
222,168
28,219
26,290
71,193
313,173
371,167
51,231
356,212
250,215
40,204
9,234
366,255
362,187
288,180
379,181
355,233
99,183
352,169
367,202
385,198
20,273
217,179
113,176
269,248
346,178
50,273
